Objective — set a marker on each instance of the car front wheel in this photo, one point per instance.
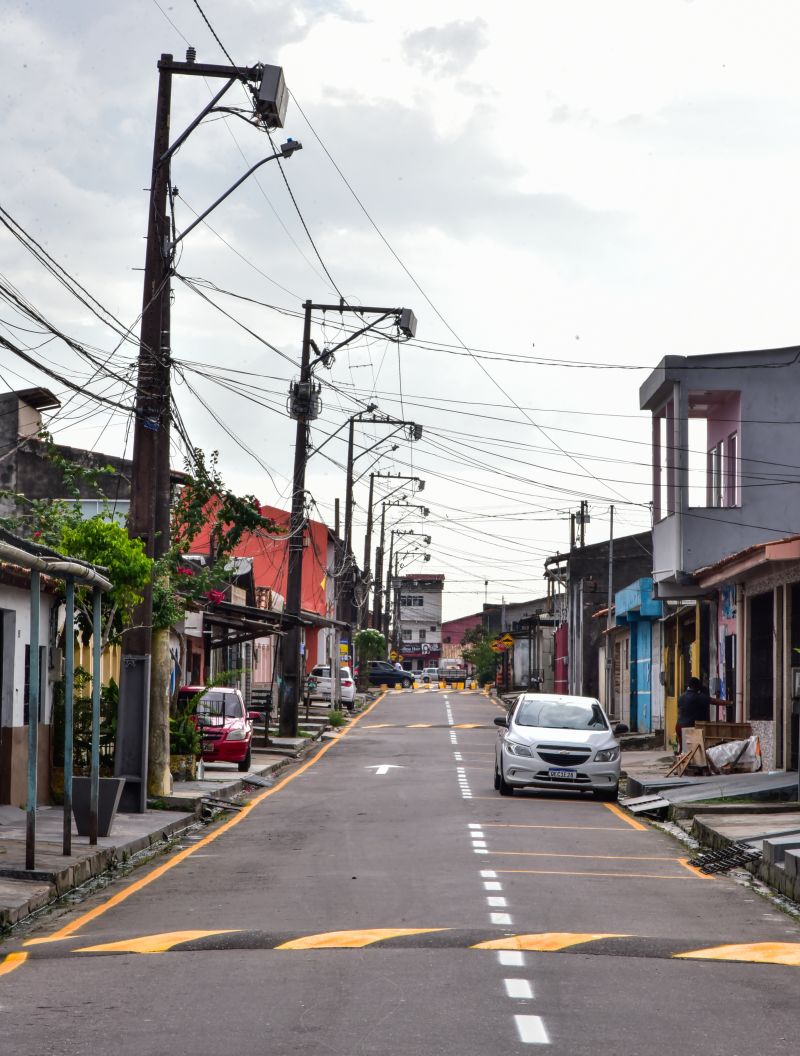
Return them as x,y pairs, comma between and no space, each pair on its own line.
406,683
244,766
502,785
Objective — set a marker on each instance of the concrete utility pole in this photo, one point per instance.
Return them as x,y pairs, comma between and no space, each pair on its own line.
377,606
149,517
610,705
305,405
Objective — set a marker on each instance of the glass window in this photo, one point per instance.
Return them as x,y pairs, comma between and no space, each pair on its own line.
560,715
423,634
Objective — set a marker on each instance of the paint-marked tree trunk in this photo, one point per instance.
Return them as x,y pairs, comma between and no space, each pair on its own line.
159,779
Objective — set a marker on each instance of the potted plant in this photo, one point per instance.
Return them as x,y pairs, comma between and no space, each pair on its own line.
184,746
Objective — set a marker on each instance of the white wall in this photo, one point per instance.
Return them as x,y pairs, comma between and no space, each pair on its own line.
17,601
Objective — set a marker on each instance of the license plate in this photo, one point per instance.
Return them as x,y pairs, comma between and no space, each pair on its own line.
563,775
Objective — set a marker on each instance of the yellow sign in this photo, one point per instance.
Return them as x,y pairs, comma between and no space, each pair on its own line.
507,641
344,648
393,655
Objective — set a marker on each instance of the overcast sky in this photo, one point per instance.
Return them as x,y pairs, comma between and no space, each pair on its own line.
600,183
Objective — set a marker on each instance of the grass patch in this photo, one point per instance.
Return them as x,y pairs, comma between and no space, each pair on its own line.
336,718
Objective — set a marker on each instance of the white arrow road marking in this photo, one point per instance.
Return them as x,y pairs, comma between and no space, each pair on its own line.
384,768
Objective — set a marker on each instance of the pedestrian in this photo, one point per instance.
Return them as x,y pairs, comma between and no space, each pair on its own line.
693,707
398,666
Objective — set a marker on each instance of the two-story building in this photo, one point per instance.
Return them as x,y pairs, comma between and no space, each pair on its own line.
726,509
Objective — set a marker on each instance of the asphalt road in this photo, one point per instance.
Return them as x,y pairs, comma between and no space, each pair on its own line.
383,899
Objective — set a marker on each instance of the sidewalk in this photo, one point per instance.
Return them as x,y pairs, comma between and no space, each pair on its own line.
22,892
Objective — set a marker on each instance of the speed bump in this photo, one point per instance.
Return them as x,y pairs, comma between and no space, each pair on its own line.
753,952
351,940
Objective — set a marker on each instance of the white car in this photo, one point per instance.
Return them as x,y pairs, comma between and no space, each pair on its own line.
322,676
559,742
429,675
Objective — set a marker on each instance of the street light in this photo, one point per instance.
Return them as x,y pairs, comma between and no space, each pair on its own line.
149,515
292,662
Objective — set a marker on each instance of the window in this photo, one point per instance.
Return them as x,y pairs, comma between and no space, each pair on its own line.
422,634
406,633
409,600
732,476
433,628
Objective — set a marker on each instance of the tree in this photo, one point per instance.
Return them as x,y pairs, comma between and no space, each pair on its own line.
369,645
478,651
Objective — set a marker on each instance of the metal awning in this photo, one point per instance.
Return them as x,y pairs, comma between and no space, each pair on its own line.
230,623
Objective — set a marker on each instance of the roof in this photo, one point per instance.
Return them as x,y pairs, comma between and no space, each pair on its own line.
40,399
423,575
747,560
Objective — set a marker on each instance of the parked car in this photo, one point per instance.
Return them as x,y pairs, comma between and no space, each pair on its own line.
429,675
324,688
383,673
560,742
225,727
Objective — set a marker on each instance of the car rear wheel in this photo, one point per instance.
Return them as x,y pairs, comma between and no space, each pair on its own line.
244,766
607,795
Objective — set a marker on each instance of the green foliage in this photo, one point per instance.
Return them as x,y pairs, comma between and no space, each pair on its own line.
336,718
369,645
204,503
82,722
478,651
184,737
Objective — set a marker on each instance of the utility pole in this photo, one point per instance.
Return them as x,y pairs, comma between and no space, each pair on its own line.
609,618
305,406
149,517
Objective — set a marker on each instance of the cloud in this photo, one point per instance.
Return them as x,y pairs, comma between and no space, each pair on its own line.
449,49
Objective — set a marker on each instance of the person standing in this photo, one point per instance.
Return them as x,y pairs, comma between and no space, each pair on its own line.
693,707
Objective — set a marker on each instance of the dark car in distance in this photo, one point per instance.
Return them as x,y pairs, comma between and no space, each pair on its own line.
383,673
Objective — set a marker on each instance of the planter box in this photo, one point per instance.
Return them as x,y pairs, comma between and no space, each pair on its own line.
110,793
183,767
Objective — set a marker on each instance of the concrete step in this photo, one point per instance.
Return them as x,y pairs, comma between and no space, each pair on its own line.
775,848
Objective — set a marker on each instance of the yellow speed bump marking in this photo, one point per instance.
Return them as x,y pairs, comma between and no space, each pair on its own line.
12,961
351,940
547,941
152,943
420,726
467,726
755,952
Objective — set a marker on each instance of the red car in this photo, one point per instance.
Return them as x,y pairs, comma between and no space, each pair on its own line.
224,725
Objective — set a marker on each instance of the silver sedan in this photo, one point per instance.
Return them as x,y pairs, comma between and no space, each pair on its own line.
559,742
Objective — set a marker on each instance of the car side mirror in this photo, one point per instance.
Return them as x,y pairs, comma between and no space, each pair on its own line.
501,720
621,728
253,716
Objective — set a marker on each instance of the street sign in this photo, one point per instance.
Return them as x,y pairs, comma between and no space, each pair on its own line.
393,655
497,647
507,641
344,648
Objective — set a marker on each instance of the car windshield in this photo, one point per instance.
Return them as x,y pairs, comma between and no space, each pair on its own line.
561,715
213,710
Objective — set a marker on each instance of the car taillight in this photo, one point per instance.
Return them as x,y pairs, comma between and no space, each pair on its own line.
346,682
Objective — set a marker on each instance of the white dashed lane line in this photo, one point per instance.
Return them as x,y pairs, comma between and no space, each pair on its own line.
531,1029
519,989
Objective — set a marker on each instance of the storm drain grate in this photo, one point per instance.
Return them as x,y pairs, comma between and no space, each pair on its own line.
735,854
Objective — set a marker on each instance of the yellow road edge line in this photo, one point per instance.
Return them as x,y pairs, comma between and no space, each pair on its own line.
620,813
598,857
155,874
153,943
548,941
12,961
583,828
351,940
787,953
588,872
693,869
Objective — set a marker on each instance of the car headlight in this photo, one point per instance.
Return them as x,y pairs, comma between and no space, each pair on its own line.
239,734
607,755
515,748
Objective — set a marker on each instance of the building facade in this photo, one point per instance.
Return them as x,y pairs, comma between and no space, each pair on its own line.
419,619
